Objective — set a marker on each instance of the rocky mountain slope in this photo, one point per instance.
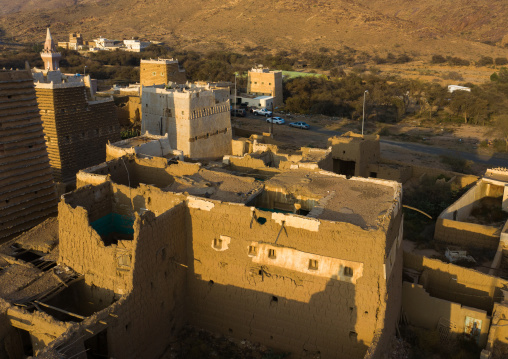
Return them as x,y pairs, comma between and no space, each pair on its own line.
374,26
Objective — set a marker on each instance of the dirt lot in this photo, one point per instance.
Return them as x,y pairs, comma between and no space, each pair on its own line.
454,137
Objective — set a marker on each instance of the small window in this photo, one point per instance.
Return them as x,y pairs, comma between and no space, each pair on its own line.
253,251
262,83
272,254
255,83
313,264
348,271
217,243
270,84
154,73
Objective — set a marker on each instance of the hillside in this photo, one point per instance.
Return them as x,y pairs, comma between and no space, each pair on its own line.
285,24
10,6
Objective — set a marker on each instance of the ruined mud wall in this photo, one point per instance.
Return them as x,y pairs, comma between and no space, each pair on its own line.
498,335
272,294
423,310
456,284
156,309
83,249
390,172
27,191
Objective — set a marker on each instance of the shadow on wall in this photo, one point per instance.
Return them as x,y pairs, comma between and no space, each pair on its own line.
450,286
297,313
325,325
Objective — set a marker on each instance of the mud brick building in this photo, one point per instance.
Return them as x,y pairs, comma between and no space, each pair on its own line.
161,72
77,129
262,81
27,191
197,119
306,261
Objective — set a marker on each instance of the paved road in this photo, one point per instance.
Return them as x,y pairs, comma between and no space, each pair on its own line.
494,161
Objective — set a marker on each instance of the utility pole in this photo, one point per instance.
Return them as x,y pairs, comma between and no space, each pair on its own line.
271,121
234,102
363,119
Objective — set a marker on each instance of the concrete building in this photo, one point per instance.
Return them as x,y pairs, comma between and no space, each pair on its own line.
27,191
77,128
263,82
197,119
49,54
161,72
307,262
135,45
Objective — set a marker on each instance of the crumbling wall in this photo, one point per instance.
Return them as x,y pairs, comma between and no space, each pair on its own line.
281,305
498,335
426,311
456,284
156,310
83,249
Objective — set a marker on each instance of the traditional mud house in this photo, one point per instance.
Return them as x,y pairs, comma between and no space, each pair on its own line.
27,190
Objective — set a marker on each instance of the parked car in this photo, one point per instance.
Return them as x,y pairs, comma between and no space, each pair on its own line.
239,112
277,120
301,125
262,112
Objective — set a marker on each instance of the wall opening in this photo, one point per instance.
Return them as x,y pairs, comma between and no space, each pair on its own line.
281,202
313,264
346,168
114,227
97,346
24,343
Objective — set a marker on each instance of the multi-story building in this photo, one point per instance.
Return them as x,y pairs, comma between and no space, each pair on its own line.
27,190
263,82
75,42
197,119
306,262
161,72
77,128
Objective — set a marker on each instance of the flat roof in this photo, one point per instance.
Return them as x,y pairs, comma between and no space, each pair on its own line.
359,201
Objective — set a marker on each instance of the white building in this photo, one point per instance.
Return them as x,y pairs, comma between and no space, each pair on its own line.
135,45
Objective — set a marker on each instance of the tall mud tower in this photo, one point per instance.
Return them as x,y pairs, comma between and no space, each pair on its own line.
27,190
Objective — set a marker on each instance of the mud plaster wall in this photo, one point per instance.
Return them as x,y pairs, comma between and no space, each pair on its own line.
498,335
287,309
82,249
156,308
161,73
468,235
361,151
425,311
456,284
390,172
42,327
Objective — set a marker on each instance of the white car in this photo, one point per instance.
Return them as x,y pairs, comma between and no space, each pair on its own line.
262,112
276,120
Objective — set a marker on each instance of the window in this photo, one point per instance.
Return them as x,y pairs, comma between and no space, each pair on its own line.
348,271
313,264
270,84
271,254
217,243
253,251
154,73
